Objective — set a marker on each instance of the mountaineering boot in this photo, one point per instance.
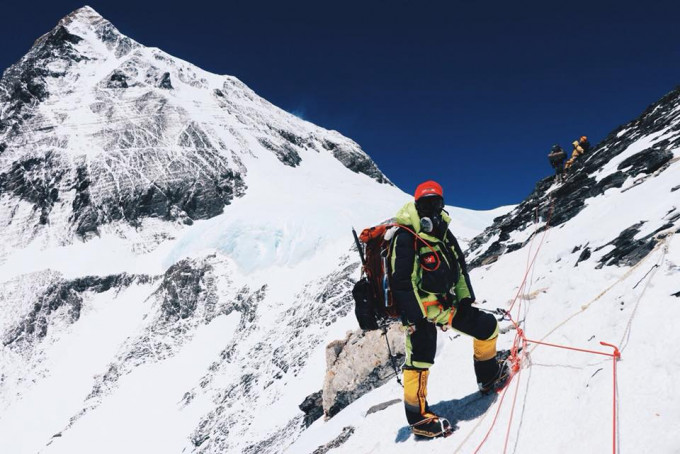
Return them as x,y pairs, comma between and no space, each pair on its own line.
422,421
432,427
493,374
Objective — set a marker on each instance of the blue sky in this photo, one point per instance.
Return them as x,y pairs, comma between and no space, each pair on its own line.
471,94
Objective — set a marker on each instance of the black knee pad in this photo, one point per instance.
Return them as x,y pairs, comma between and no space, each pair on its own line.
475,323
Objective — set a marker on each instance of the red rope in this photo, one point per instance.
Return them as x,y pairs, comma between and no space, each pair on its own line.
419,238
615,355
520,338
533,261
493,423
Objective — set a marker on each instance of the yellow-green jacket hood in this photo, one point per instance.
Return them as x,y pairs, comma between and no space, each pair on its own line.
408,216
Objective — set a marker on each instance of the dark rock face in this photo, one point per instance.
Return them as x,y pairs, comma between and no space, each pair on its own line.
165,82
181,289
117,80
585,255
66,298
627,250
356,162
312,408
23,85
647,161
276,442
35,180
285,153
581,183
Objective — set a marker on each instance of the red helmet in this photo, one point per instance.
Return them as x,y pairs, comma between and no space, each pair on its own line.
428,188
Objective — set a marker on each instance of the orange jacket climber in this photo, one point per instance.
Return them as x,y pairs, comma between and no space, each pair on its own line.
581,146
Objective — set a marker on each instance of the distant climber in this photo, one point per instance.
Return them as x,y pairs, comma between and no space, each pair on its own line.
557,157
581,146
431,288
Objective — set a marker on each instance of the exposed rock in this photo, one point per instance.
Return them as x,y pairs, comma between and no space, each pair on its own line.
647,161
312,408
338,441
64,299
36,180
359,364
559,204
284,152
627,250
358,162
117,80
585,255
277,442
380,407
268,362
165,82
181,289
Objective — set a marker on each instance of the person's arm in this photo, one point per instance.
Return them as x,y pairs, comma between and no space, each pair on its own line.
404,285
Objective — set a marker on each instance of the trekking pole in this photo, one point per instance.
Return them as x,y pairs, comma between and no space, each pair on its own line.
359,248
389,349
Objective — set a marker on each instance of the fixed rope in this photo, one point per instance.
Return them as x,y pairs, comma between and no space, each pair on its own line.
521,342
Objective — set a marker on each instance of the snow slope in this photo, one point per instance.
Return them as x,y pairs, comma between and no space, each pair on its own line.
137,312
605,268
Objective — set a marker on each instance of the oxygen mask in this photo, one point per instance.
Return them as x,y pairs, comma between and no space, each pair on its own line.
429,209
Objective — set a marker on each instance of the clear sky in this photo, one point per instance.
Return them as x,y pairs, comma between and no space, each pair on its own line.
469,93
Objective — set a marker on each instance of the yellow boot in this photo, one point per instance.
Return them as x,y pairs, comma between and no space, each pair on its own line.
422,421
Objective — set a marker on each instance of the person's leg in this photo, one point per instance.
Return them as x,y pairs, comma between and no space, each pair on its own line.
483,327
421,346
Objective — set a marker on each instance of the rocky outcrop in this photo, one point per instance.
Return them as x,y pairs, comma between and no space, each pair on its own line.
61,300
558,204
338,441
312,407
358,364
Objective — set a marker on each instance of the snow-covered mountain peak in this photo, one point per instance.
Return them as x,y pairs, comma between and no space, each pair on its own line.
85,15
100,133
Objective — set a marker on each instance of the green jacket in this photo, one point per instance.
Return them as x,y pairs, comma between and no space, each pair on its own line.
427,281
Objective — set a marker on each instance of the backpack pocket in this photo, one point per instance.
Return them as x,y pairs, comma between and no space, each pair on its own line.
364,305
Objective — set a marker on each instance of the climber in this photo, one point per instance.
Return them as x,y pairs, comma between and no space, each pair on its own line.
581,146
557,157
431,289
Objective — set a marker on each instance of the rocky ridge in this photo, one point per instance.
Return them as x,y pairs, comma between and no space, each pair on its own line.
651,137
